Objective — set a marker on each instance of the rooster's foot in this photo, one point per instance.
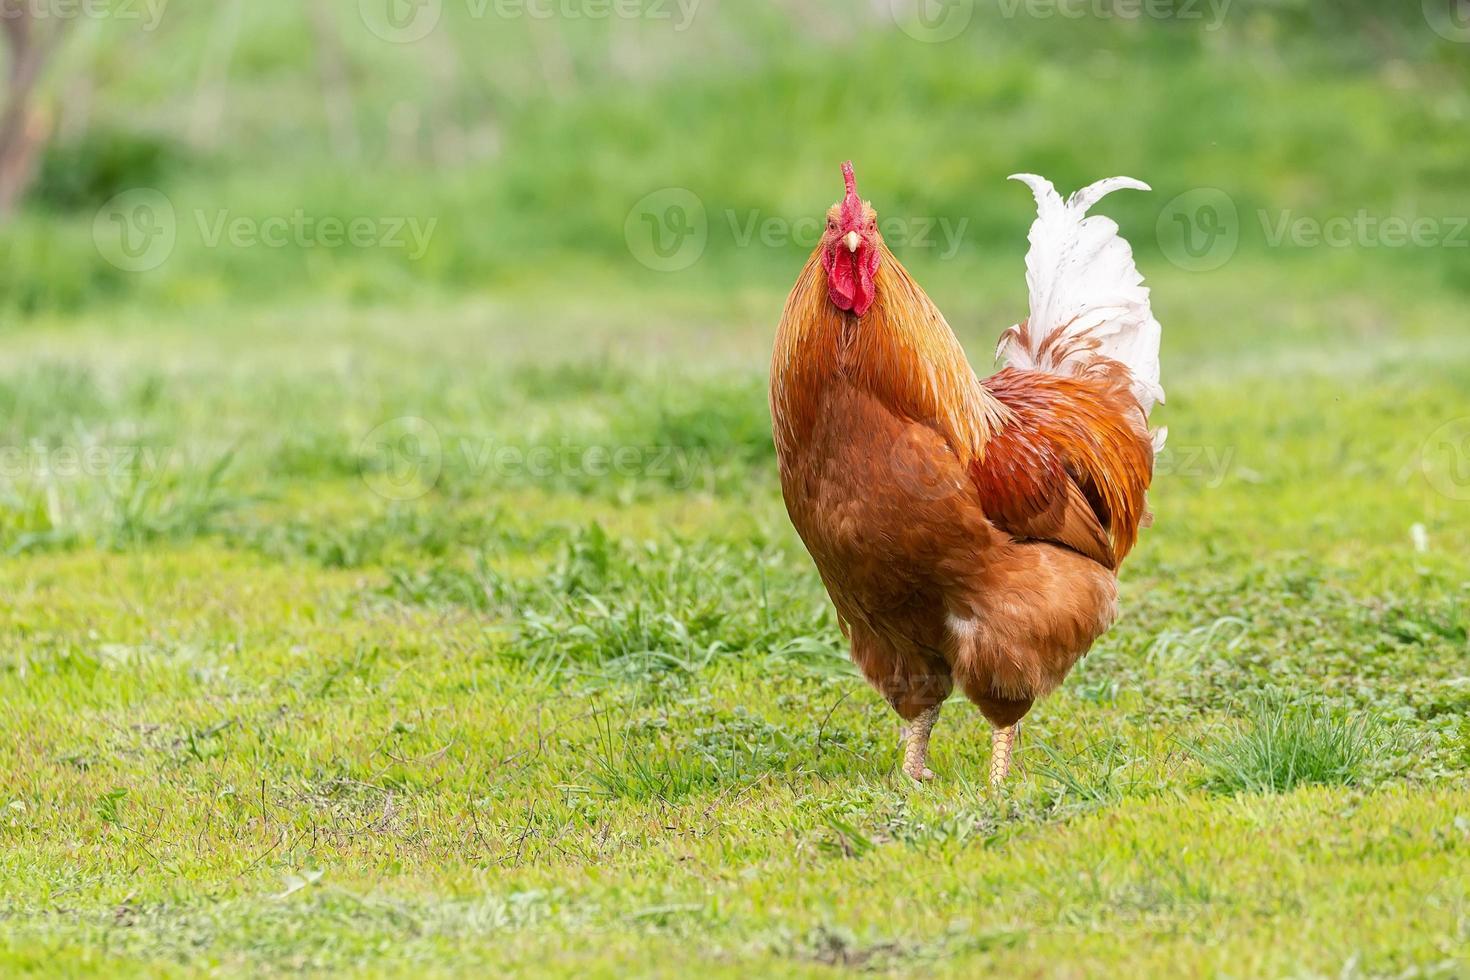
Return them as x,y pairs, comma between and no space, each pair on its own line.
922,776
1002,745
916,745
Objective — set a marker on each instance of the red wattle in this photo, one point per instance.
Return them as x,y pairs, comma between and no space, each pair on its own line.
850,277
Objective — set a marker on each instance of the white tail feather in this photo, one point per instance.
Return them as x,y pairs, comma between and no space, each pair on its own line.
1087,297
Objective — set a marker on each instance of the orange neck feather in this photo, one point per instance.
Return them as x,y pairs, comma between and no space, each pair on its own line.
902,351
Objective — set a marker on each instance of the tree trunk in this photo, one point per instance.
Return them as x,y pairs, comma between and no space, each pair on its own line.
23,130
207,117
336,81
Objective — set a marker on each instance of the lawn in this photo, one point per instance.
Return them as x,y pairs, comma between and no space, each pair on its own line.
293,683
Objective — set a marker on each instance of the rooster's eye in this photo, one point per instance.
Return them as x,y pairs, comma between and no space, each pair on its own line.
831,225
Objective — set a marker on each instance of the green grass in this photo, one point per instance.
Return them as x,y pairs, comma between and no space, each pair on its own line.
549,722
1286,746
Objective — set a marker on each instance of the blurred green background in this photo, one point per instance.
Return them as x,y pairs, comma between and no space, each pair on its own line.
526,139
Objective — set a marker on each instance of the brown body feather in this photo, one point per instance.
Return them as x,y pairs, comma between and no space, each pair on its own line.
967,532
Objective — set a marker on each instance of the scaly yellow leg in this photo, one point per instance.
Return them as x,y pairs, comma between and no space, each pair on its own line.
916,745
1002,744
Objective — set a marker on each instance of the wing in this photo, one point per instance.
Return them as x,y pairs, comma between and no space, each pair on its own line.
1070,464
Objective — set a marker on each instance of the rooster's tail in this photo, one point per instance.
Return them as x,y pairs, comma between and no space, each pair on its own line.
1087,297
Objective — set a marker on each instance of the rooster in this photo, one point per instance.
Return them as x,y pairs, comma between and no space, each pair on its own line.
969,532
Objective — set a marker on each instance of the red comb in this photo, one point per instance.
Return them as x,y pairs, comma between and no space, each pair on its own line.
852,205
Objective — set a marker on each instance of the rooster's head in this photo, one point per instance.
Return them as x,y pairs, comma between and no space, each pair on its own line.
851,249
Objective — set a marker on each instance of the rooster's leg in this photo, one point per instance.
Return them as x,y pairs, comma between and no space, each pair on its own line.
1002,743
916,744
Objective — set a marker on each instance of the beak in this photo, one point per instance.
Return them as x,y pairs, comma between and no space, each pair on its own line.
851,240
